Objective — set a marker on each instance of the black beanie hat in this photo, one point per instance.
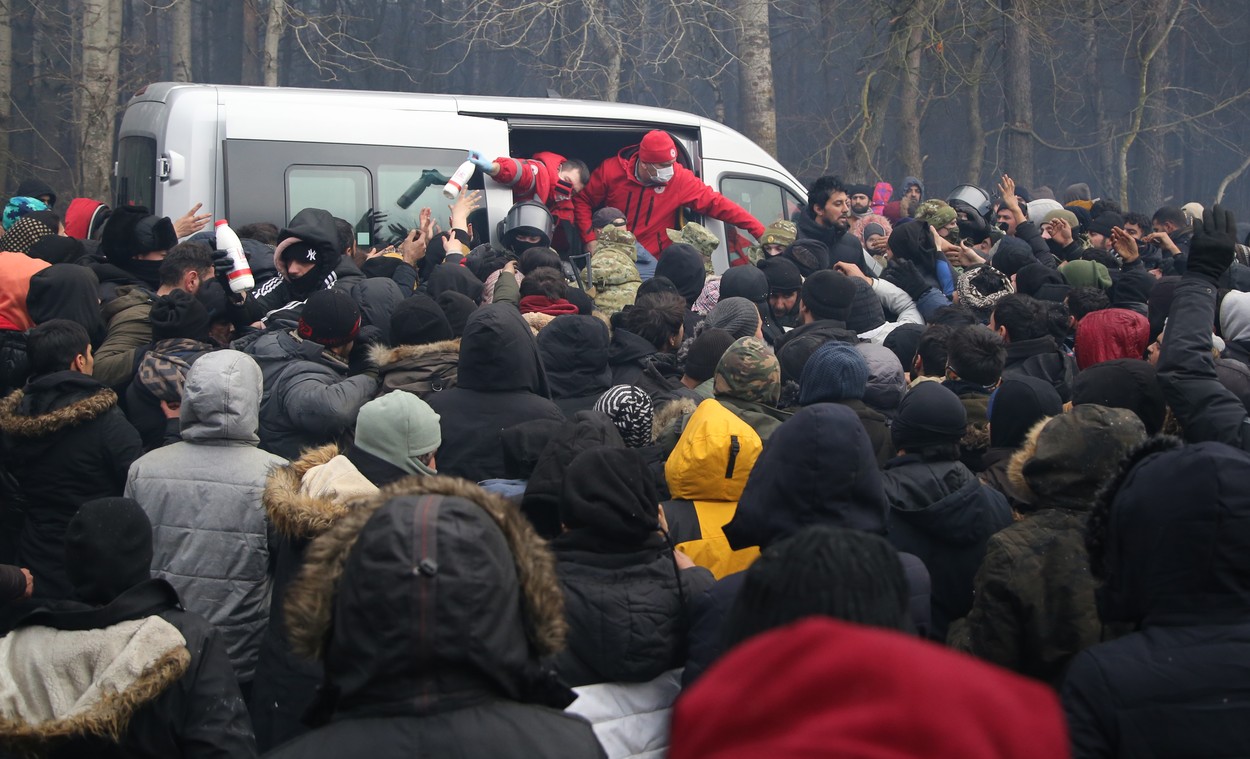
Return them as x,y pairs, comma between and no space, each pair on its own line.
131,231
58,250
1013,254
330,318
419,321
1031,278
744,282
1125,383
1017,405
610,493
782,275
705,353
108,549
683,265
298,250
457,307
179,314
929,415
904,341
866,311
828,294
1104,223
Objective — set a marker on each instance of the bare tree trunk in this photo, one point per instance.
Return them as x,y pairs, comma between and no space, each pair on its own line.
101,36
182,41
755,75
253,57
1151,181
976,129
1153,41
6,86
273,35
1018,102
909,100
1105,152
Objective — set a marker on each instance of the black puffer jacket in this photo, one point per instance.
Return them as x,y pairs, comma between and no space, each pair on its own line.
574,351
1180,685
941,512
66,442
1041,358
432,607
500,382
843,246
634,361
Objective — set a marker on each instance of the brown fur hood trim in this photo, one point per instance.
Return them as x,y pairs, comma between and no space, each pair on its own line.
72,415
108,716
977,438
309,603
382,356
537,321
294,513
669,414
1015,467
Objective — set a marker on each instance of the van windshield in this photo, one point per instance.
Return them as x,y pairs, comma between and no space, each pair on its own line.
136,172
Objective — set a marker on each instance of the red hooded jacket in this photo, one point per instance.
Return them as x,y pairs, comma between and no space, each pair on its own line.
1110,334
535,179
652,209
823,687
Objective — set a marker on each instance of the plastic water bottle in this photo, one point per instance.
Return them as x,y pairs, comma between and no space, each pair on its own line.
240,274
458,180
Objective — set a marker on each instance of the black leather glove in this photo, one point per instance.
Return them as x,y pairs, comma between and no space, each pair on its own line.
222,266
398,231
1213,245
905,276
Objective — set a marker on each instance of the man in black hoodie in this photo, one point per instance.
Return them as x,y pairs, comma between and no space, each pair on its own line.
574,351
827,218
306,257
500,382
65,442
1021,322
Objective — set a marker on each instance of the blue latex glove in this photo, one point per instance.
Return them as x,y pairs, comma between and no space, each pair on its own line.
481,161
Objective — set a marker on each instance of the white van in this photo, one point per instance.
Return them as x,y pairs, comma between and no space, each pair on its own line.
253,154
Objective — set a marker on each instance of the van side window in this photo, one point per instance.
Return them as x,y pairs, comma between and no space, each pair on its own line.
404,189
136,172
766,201
341,190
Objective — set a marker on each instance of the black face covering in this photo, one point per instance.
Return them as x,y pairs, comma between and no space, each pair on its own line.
147,272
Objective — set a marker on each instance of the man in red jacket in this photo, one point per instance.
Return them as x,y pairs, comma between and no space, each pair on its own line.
547,177
647,183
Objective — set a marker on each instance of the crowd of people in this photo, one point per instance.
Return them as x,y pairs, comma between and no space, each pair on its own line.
912,476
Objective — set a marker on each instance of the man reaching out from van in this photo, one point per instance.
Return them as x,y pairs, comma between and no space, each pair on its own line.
547,177
647,183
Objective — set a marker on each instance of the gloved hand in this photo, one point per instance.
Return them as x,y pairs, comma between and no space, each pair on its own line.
359,362
398,231
372,223
1213,245
482,162
222,266
905,276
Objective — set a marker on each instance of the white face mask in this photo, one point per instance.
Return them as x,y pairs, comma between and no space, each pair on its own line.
664,175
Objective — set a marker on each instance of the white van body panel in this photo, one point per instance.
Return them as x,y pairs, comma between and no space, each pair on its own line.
194,127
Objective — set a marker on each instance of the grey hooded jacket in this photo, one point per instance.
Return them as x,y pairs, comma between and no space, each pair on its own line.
203,496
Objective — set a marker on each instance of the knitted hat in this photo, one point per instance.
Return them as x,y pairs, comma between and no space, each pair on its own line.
828,295
1074,453
1194,210
27,231
605,216
866,311
904,341
418,320
1082,273
874,229
458,307
886,381
1013,254
1019,403
929,414
835,372
705,353
1077,191
657,147
1125,383
937,212
18,207
1082,216
737,316
1062,213
1037,209
179,314
749,371
1105,223
782,275
745,282
132,231
330,318
610,493
1030,278
399,428
780,233
631,412
108,549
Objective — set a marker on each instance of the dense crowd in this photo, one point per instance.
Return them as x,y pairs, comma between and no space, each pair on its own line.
911,477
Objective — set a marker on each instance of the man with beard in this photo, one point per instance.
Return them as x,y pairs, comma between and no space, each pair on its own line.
784,283
860,197
827,218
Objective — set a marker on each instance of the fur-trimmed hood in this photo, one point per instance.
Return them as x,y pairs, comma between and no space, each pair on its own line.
296,511
425,594
393,358
76,683
53,403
